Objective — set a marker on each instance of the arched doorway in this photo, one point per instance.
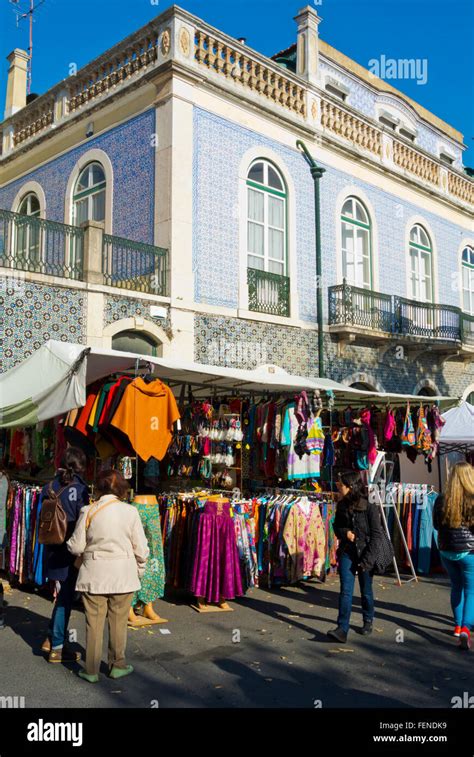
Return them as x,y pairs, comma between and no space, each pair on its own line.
137,342
426,391
362,387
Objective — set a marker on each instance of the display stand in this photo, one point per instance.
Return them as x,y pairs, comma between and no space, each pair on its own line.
202,606
380,476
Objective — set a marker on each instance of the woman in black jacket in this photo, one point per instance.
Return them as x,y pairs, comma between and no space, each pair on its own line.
453,518
59,562
357,526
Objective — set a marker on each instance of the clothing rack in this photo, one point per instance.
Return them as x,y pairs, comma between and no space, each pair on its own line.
230,493
302,492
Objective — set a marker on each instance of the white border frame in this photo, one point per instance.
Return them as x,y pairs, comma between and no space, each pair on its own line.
361,377
421,221
140,325
28,188
427,383
465,243
249,157
467,392
352,190
92,156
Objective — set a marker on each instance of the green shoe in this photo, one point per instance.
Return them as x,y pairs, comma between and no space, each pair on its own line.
88,677
121,672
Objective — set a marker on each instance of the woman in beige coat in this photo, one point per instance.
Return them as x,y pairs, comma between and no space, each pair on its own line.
109,538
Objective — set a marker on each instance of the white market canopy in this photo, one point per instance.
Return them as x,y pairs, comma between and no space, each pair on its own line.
459,428
55,378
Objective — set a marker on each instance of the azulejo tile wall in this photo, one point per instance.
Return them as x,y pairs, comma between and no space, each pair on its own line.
219,146
237,343
117,308
131,152
31,314
395,370
219,149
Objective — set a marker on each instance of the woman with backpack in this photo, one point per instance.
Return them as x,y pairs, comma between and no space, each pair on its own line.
71,491
453,518
110,540
358,527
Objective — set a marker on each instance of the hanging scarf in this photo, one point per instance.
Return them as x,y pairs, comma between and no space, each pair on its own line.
390,425
372,451
328,452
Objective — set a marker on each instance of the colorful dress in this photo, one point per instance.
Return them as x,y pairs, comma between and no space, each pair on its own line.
153,581
215,567
305,537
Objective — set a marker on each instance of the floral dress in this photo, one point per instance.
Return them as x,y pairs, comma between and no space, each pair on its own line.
153,581
305,537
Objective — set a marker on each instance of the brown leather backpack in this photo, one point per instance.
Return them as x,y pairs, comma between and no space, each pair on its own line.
53,520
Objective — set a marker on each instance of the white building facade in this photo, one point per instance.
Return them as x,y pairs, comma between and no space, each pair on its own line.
157,201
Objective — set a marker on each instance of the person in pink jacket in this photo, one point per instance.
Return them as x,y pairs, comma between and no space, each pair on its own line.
110,541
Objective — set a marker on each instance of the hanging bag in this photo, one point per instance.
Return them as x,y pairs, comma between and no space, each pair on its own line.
423,436
53,519
408,435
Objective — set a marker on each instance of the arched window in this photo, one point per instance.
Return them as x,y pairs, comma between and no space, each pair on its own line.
267,258
137,342
468,280
266,219
421,265
28,233
89,195
30,205
356,236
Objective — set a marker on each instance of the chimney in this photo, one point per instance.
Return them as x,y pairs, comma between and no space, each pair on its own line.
308,44
17,82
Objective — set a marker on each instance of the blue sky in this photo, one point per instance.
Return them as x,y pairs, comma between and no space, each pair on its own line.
76,31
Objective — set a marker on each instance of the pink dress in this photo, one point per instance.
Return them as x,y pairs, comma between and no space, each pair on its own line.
215,565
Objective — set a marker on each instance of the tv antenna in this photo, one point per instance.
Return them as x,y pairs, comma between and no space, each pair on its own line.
23,12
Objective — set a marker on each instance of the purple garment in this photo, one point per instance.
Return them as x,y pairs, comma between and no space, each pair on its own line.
215,569
14,533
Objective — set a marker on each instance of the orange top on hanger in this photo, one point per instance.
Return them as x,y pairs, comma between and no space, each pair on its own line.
146,415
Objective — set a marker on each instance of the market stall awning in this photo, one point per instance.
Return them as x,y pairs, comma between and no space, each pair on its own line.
459,428
54,379
45,385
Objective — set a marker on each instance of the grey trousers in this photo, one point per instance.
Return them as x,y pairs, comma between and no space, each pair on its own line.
114,607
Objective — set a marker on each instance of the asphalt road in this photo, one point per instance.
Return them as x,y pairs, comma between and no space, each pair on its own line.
272,651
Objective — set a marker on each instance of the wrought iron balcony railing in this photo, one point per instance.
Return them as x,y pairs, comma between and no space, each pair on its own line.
398,316
135,266
28,243
268,292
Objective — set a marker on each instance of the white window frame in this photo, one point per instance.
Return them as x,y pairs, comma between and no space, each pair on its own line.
89,193
37,262
354,225
469,266
415,252
267,192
